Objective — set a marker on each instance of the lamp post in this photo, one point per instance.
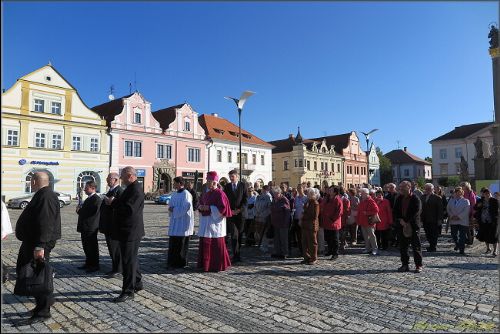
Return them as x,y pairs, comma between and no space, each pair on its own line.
240,103
367,136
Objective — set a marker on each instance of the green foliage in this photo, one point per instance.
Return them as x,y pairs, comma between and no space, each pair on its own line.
420,182
385,167
453,181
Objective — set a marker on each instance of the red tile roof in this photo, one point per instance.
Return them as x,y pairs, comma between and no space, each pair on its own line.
404,157
220,128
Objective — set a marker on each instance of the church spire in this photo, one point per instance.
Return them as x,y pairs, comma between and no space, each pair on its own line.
298,138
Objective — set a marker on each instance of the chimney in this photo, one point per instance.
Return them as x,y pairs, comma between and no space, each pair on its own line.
404,148
215,115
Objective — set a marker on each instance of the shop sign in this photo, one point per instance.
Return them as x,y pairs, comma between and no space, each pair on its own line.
191,174
140,172
36,162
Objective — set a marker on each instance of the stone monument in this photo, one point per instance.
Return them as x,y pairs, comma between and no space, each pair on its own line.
492,167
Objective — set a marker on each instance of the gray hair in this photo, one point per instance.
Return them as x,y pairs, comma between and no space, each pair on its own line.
277,190
364,190
429,185
129,170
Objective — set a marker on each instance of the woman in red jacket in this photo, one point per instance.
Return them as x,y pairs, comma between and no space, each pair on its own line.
331,209
366,208
385,213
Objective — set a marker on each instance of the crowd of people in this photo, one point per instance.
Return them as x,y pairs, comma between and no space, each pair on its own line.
279,220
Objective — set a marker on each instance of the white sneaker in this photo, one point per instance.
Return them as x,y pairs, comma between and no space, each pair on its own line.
374,252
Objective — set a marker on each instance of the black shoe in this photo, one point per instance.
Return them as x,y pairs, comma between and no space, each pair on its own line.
236,259
138,288
403,269
462,252
91,269
334,257
123,297
418,269
111,274
83,267
456,248
36,318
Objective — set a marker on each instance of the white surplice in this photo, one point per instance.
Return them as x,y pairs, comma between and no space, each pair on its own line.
213,226
182,218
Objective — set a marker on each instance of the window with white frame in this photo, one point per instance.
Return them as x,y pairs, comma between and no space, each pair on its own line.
285,165
56,108
77,143
164,151
12,137
219,156
94,144
254,159
296,163
262,159
229,156
187,125
137,149
133,148
57,141
40,139
193,154
442,153
458,152
39,105
443,169
137,117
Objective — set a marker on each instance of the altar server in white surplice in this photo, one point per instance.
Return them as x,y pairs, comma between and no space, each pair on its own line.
181,225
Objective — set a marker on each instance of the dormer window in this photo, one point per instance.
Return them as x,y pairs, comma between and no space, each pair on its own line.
137,117
219,131
187,126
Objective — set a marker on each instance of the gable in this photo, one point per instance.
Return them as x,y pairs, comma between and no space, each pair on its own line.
47,75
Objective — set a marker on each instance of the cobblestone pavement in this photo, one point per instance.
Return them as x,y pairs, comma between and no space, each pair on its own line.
356,293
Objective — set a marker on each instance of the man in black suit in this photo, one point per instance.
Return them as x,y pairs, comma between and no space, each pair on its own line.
431,216
128,228
236,192
88,225
105,221
39,227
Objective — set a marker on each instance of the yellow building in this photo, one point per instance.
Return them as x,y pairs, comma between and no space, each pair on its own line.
296,160
46,126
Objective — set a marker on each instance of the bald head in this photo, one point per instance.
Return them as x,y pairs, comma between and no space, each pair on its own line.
39,180
128,175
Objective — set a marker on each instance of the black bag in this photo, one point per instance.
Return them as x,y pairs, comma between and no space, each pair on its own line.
35,278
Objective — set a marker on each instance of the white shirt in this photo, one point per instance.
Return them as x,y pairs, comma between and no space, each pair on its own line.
213,226
182,218
6,225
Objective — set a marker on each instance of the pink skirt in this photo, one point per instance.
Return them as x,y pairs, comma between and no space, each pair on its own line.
213,255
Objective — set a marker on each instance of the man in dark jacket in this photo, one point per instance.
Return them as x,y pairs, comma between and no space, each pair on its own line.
128,228
38,227
88,225
236,192
105,221
406,213
431,216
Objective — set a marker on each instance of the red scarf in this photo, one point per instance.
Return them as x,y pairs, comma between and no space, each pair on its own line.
217,198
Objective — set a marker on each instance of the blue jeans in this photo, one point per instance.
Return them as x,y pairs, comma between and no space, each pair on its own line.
459,235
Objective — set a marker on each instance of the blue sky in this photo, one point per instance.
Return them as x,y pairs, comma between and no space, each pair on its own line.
414,70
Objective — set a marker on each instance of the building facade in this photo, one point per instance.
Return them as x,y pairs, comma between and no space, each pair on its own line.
406,166
296,160
159,145
448,149
373,166
355,164
47,127
223,150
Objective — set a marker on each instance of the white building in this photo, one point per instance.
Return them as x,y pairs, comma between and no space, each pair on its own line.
47,127
448,148
223,150
406,166
374,166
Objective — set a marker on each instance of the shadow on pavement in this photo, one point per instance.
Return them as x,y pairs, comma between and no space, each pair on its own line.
315,272
470,266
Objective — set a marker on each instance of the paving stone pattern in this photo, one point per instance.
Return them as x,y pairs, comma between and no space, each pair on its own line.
356,293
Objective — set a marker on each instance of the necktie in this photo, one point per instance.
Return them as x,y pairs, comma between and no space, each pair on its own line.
234,187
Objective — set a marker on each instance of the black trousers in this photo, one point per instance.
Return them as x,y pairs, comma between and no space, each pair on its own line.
132,277
45,301
114,253
90,248
295,235
332,240
383,238
235,231
415,243
432,233
178,248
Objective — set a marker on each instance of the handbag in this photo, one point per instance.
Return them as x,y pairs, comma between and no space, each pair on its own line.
35,278
374,219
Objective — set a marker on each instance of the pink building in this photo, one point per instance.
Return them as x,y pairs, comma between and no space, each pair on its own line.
160,145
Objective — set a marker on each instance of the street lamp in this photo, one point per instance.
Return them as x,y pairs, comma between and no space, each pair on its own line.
240,103
367,136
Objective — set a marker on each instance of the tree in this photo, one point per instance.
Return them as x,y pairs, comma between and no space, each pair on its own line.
453,181
428,159
443,181
421,182
385,167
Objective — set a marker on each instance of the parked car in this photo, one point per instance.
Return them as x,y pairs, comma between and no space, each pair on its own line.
22,201
163,199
